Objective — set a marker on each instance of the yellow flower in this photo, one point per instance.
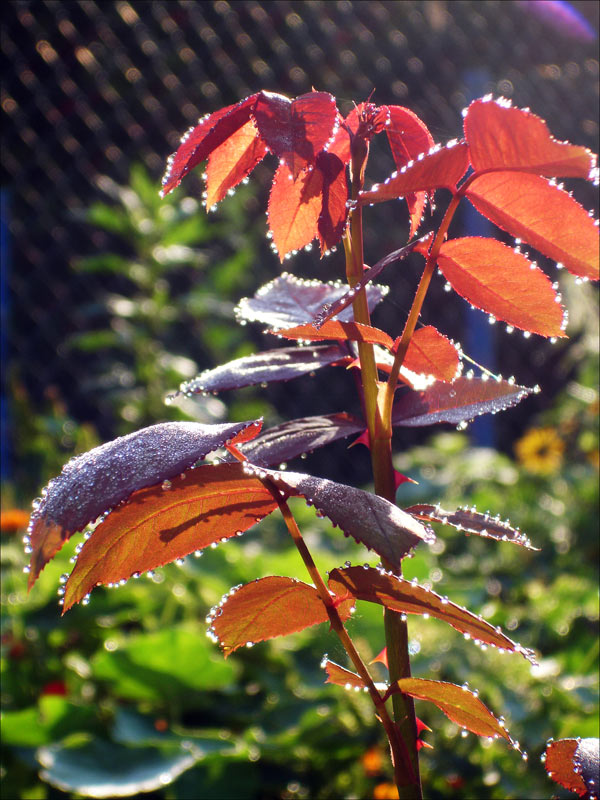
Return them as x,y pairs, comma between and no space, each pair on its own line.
540,451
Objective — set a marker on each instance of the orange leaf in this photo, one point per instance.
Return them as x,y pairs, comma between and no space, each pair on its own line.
541,214
574,764
503,137
348,331
232,161
342,676
294,209
266,608
431,353
167,521
334,211
502,282
440,168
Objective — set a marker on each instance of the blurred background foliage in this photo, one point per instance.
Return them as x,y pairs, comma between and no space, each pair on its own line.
111,297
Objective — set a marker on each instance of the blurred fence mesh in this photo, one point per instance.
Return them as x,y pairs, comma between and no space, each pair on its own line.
89,88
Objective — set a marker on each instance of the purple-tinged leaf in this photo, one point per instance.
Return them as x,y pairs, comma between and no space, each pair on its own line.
471,521
288,301
298,436
272,365
398,594
333,309
456,402
100,479
370,520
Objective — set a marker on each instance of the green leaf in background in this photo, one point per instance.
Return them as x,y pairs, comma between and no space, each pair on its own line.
53,718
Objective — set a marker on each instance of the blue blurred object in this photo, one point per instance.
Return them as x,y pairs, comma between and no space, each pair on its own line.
562,16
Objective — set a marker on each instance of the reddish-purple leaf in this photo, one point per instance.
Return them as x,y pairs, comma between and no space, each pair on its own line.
287,301
298,436
296,130
266,608
431,353
471,521
458,703
541,214
457,402
342,676
95,482
502,282
440,168
370,520
334,209
573,763
397,594
294,209
503,137
342,331
271,365
232,161
200,141
167,521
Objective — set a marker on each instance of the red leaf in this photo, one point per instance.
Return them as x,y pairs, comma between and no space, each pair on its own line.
199,142
503,137
334,211
441,168
502,282
458,703
167,521
573,763
294,209
471,521
342,331
266,608
457,402
378,586
246,435
341,676
341,143
94,482
232,161
296,130
541,214
431,353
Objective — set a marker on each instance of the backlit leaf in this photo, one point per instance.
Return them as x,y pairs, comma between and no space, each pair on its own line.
296,130
431,353
266,608
538,212
441,168
100,479
291,439
458,704
271,365
378,586
502,282
334,209
342,676
287,301
232,161
369,519
342,331
200,141
294,209
471,521
460,401
167,521
573,763
503,137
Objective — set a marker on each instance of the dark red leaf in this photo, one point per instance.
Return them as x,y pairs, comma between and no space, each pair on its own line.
502,282
390,591
456,403
503,137
431,353
573,763
281,364
167,521
340,146
471,521
341,676
298,436
369,519
266,608
441,168
288,301
199,141
334,209
342,331
294,209
296,130
232,161
95,482
541,214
